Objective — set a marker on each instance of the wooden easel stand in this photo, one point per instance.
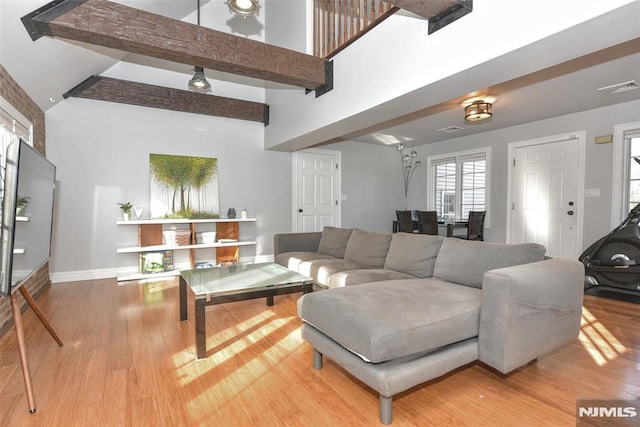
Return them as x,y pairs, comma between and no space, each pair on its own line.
17,321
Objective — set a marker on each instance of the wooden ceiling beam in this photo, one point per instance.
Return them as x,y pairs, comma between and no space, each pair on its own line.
113,25
439,12
146,95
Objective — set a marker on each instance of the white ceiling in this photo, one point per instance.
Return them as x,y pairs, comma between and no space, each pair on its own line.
47,68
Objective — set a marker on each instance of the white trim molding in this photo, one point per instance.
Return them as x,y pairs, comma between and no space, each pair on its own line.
619,167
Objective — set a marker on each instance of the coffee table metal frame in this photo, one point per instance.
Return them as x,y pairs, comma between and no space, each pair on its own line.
225,294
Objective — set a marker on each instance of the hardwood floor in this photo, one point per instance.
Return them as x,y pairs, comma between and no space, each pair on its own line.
128,361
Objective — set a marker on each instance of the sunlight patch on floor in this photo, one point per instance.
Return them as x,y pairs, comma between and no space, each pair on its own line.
246,375
186,372
599,342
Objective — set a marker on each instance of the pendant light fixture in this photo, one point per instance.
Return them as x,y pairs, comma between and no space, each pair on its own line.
244,7
198,82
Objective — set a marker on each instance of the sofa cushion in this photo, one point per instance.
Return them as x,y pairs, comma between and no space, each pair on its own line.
334,241
465,262
356,277
397,318
292,260
320,270
414,254
368,248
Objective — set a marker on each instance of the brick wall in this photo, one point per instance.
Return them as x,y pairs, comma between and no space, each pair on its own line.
18,98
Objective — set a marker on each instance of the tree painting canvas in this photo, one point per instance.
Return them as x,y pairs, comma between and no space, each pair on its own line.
183,187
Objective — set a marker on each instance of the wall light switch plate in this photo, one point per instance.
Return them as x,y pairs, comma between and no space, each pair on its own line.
591,192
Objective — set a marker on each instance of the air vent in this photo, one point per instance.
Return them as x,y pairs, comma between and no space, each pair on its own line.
450,129
619,87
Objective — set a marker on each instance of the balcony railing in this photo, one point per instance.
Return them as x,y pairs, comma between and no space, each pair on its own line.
337,23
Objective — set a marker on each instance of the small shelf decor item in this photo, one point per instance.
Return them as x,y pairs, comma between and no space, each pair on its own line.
231,213
177,237
138,211
156,262
126,210
21,205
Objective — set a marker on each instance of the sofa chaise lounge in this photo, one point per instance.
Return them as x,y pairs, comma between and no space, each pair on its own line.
403,309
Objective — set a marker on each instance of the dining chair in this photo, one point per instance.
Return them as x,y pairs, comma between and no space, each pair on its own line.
405,221
428,222
475,227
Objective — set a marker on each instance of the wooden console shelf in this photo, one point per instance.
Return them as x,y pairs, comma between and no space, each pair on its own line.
151,239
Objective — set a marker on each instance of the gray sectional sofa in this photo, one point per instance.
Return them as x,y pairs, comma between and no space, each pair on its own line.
403,309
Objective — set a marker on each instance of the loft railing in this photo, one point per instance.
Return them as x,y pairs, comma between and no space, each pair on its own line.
338,23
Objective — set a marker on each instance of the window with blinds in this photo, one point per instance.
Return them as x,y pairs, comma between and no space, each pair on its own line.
459,185
632,139
11,129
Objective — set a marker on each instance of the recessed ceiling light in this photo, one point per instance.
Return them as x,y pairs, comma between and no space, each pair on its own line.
52,99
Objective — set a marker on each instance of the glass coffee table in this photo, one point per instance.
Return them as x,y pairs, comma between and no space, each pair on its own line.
219,285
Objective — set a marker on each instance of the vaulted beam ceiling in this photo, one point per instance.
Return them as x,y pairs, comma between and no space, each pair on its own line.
146,95
112,25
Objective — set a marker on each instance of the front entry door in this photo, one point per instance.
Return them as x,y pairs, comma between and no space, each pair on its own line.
317,186
544,196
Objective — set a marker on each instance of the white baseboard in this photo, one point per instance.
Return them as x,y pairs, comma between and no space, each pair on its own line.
75,276
113,273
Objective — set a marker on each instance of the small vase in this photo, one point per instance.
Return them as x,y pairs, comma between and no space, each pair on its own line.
231,213
138,210
244,214
126,216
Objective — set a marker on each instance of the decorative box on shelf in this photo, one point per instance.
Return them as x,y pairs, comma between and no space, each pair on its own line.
177,237
206,238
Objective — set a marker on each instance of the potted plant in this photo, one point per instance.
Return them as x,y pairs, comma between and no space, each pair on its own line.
21,205
126,210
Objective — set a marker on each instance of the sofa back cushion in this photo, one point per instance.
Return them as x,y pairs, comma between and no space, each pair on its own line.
465,262
334,241
368,248
414,254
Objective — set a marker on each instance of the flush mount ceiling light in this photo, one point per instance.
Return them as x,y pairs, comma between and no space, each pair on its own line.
244,7
198,82
478,111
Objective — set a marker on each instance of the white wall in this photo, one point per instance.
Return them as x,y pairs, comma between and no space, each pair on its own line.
101,151
372,183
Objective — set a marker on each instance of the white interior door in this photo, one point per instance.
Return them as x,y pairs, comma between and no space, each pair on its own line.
316,190
545,196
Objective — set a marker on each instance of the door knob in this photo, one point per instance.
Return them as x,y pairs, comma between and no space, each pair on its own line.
300,210
570,213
